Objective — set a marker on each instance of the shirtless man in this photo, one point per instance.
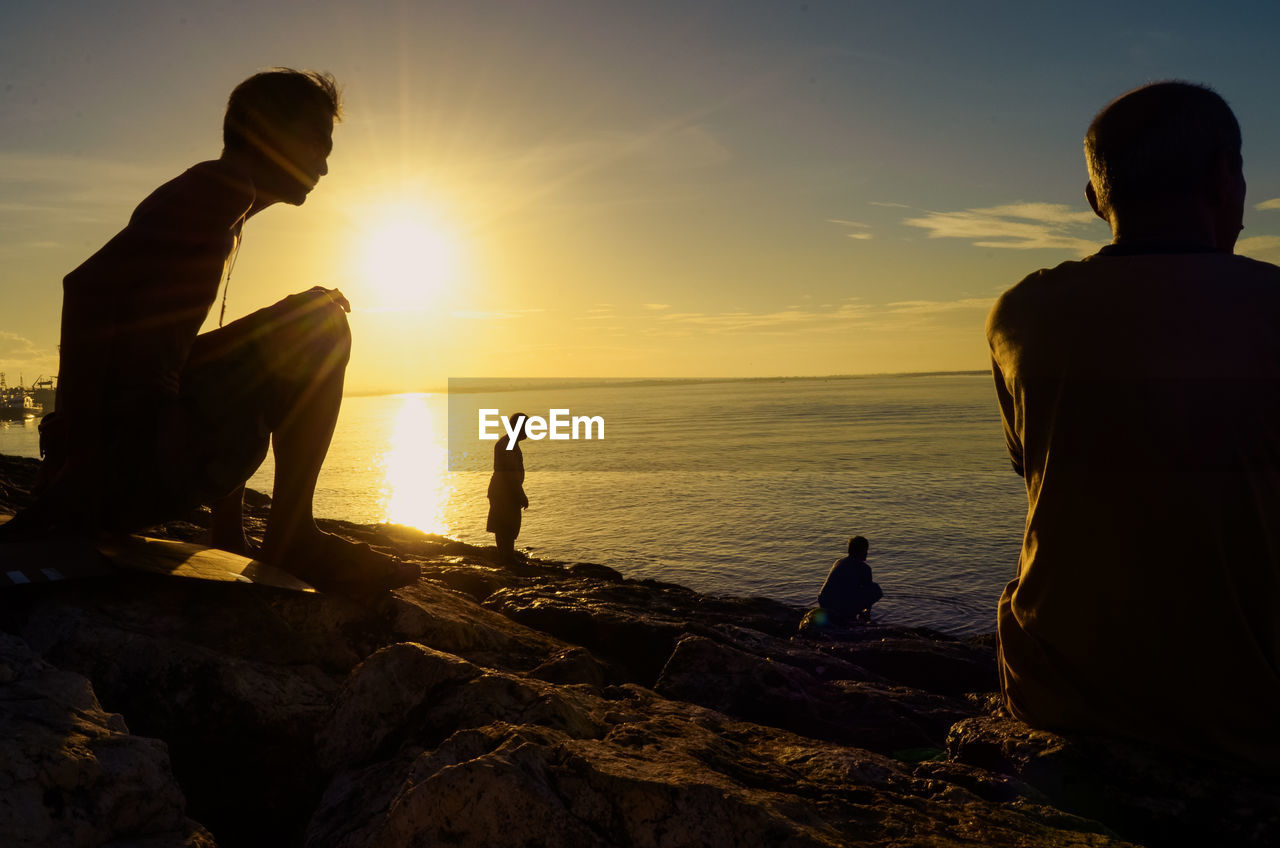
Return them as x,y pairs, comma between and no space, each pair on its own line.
153,419
1140,393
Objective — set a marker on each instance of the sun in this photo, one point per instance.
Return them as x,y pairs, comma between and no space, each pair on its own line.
409,259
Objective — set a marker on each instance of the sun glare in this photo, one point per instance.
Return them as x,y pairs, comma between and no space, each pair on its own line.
409,259
416,490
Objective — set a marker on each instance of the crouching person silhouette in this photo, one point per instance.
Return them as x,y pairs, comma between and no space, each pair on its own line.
849,592
153,418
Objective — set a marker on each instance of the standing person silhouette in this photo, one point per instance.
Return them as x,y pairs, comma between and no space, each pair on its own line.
506,489
153,419
1140,394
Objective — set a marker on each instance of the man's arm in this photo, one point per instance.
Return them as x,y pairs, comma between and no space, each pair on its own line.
1008,418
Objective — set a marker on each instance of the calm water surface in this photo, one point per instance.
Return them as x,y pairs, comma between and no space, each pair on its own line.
745,487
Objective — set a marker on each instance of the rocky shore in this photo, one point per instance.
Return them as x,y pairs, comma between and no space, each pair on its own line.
553,704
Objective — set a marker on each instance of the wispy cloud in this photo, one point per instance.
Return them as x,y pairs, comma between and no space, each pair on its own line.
1273,203
1021,226
859,228
20,357
936,307
779,322
656,305
1266,248
493,315
890,317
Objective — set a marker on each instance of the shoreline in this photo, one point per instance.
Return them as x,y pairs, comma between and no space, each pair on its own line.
546,703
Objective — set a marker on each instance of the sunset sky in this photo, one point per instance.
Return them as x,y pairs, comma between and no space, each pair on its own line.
616,189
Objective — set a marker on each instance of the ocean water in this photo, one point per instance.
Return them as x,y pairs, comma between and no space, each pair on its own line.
742,487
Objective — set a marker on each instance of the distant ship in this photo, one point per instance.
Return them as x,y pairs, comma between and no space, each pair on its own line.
17,403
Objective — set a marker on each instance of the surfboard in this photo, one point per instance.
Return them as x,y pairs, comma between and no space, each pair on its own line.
51,560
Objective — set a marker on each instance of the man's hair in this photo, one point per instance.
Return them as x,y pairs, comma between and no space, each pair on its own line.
1159,141
858,545
276,101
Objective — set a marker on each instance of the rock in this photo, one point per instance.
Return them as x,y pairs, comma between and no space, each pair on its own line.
70,773
489,759
1151,796
635,636
771,692
573,666
937,663
595,570
238,679
425,717
634,625
16,476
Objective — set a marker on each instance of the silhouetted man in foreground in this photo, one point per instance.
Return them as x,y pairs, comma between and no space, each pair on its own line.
1140,393
153,419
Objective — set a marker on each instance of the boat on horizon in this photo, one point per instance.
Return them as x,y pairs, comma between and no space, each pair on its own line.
18,403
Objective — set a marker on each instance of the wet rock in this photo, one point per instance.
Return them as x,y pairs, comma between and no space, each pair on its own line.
70,773
1151,796
596,571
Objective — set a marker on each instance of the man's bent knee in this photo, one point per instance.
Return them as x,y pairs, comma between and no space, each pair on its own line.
306,336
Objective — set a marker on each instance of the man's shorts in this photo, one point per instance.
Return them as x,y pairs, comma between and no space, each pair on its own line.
504,519
241,383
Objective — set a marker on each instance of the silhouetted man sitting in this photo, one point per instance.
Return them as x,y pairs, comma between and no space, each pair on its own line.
1140,393
849,591
153,419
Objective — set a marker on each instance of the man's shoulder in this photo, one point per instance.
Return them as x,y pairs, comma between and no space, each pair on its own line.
1077,284
212,191
1031,289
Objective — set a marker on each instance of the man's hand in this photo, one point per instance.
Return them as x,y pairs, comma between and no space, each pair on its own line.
336,296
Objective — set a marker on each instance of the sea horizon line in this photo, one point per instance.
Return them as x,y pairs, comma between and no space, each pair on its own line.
507,384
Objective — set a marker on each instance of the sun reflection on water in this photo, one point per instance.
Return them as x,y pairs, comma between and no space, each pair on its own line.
417,485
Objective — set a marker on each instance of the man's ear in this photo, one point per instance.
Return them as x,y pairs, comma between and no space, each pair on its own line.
1227,179
1092,197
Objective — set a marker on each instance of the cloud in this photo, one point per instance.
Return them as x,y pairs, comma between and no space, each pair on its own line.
493,315
1266,248
936,307
888,205
656,305
784,321
886,318
1021,226
861,235
21,358
1273,203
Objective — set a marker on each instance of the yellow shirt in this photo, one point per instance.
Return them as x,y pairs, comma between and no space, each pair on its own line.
1140,396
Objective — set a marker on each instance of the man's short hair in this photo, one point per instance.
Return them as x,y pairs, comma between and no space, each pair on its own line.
858,545
1159,141
276,101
